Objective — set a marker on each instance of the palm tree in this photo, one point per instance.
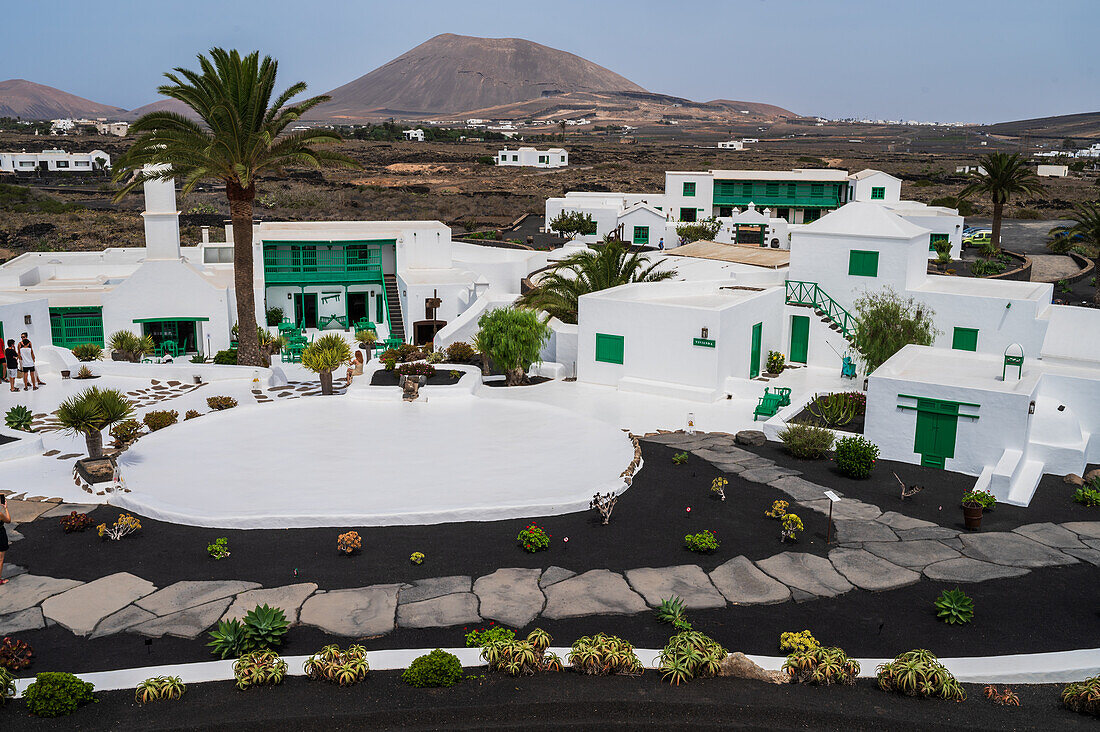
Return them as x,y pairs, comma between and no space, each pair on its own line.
325,355
90,412
588,271
1004,176
561,124
242,133
1084,230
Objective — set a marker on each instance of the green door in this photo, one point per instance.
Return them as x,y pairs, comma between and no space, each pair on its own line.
800,338
937,425
754,356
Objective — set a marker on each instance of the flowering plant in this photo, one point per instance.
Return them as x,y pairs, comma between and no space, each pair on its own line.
791,527
219,549
705,541
125,524
534,538
417,558
976,498
718,485
778,510
348,543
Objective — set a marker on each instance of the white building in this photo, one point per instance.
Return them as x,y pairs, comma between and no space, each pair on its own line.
118,129
416,135
529,157
54,161
731,145
1052,171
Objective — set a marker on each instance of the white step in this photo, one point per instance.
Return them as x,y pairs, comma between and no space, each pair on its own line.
667,389
1000,478
1025,483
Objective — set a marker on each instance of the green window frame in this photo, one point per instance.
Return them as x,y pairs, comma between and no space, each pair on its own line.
965,339
935,239
689,188
544,158
817,190
878,193
771,189
641,235
609,348
687,214
792,190
746,189
862,263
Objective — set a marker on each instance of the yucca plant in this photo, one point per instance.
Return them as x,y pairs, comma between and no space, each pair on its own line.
87,352
265,626
259,668
690,655
919,673
90,412
325,355
159,687
19,418
130,345
954,607
230,638
821,665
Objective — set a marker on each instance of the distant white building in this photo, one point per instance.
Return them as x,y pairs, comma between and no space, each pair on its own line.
1053,171
118,129
416,135
529,157
54,161
731,145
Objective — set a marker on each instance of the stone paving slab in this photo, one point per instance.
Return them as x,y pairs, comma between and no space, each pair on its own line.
24,511
65,509
927,532
189,623
27,590
555,574
81,608
289,598
359,612
440,612
127,617
1085,554
730,468
427,589
807,572
916,554
1050,534
901,522
29,619
669,438
510,596
850,531
686,581
965,569
869,572
596,592
1013,550
766,474
800,489
1084,529
742,583
855,510
1094,543
13,535
188,594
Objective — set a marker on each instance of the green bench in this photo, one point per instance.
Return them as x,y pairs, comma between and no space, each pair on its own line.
772,402
325,321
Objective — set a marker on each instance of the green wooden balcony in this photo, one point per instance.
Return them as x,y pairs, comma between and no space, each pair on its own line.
321,263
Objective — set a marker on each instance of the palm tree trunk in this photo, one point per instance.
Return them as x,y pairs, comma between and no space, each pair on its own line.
515,377
94,440
240,211
998,211
326,382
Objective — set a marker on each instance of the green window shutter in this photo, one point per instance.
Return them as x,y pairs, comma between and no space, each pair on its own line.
878,193
936,239
689,189
641,235
863,263
792,190
817,190
772,189
746,189
609,348
965,339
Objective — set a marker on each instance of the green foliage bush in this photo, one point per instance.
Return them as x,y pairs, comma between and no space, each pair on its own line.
57,694
479,637
159,419
705,541
460,352
801,641
512,338
274,316
533,538
87,352
776,362
806,441
680,458
954,607
886,322
228,357
919,673
221,402
986,267
191,414
855,456
573,223
1088,495
704,230
435,669
821,665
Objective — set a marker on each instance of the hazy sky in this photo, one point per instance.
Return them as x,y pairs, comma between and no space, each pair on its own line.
951,60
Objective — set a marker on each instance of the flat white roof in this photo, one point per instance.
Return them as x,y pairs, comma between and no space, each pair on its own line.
798,174
964,369
325,230
713,295
980,287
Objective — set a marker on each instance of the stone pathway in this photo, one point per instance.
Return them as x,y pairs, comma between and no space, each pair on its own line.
876,551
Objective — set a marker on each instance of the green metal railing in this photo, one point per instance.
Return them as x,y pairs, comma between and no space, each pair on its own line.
72,326
809,293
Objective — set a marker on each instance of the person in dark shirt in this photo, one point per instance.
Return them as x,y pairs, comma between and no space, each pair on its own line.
11,362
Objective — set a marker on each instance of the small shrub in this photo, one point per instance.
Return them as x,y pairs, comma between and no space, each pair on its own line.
806,441
718,487
337,666
605,504
349,543
228,357
435,669
819,665
366,336
87,352
273,316
802,641
75,522
7,686
417,558
455,374
265,626
259,668
54,694
776,362
778,509
790,526
680,458
124,525
975,498
19,418
703,542
198,358
191,414
1007,698
416,369
460,351
481,637
161,418
219,549
230,638
219,403
159,687
855,456
434,357
1083,697
1087,496
522,657
15,654
954,607
84,373
919,673
690,655
534,538
671,611
125,432
603,655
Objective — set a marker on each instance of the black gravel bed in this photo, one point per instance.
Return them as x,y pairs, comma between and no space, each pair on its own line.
531,381
647,529
938,501
441,377
556,701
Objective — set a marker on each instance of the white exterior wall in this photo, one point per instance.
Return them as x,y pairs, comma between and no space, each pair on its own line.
13,315
860,190
77,162
998,325
1053,171
644,217
940,224
529,157
605,212
702,201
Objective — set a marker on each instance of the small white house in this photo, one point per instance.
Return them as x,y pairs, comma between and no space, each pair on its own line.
731,145
416,135
529,157
1053,171
54,161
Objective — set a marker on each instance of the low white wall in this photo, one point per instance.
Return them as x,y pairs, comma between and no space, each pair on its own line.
464,327
185,372
1064,334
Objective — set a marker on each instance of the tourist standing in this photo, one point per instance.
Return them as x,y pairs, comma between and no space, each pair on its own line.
11,362
5,518
26,364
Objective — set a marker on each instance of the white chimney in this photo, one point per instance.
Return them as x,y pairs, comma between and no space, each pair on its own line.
162,218
206,235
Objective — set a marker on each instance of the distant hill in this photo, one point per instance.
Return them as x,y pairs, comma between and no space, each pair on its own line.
1085,126
451,73
28,100
161,105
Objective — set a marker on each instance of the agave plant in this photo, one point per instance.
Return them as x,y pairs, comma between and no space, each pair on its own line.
230,638
919,673
602,654
954,607
159,687
19,418
671,611
7,686
265,626
90,412
338,666
821,665
522,657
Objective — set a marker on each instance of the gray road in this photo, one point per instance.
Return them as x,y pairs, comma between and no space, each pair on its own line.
1023,236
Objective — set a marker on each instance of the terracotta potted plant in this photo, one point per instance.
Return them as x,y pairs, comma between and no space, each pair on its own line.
974,504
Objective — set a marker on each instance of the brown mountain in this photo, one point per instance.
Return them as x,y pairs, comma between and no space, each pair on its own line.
451,73
27,100
1085,125
161,105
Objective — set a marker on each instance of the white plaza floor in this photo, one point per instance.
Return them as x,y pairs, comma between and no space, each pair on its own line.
336,461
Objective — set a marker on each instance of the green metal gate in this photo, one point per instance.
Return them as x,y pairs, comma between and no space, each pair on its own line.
74,326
